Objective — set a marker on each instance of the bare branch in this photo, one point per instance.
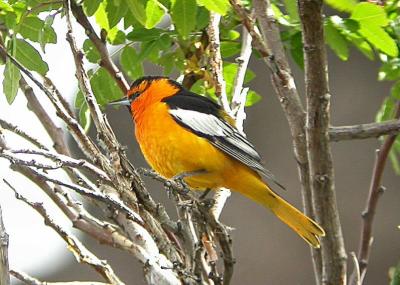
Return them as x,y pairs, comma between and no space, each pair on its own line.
364,131
84,142
15,129
270,47
91,194
104,131
101,47
318,147
356,269
4,269
66,161
249,22
219,230
243,61
82,254
33,281
375,192
216,60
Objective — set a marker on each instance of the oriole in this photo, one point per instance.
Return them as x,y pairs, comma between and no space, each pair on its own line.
184,134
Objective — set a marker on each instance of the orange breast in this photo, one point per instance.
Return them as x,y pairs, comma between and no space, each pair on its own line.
170,149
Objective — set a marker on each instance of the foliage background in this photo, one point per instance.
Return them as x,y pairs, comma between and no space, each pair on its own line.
263,246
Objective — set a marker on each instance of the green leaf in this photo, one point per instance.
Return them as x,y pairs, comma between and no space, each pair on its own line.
230,71
167,60
90,51
291,9
252,98
84,116
90,6
137,8
394,272
218,6
47,34
154,13
390,70
104,87
395,90
349,28
147,49
370,14
35,29
183,15
336,41
229,49
11,81
114,13
342,5
29,57
116,36
202,18
144,35
296,49
372,18
394,159
386,111
380,39
130,63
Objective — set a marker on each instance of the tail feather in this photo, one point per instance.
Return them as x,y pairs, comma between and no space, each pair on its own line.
305,227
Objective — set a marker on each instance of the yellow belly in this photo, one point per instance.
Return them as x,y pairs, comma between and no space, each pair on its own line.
170,149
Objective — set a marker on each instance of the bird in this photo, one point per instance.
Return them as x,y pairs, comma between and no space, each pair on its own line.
188,136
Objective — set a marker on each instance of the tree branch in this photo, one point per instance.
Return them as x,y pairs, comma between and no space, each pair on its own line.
375,192
216,60
15,129
285,87
364,131
82,254
101,47
4,269
319,153
33,281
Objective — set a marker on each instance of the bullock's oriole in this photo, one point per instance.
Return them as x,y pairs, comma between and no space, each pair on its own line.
184,134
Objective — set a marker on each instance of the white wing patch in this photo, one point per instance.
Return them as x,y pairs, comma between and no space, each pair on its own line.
223,136
213,127
204,123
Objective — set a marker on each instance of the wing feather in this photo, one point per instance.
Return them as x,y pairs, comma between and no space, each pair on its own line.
205,118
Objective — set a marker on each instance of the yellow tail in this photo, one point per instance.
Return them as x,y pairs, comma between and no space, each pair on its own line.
258,191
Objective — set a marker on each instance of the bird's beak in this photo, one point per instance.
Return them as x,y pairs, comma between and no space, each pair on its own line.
122,101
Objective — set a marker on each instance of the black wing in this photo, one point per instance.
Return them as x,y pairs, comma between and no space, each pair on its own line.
205,118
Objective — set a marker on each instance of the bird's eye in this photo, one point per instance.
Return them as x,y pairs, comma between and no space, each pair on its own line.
134,96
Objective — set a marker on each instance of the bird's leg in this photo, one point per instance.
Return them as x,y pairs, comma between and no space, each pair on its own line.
204,194
179,178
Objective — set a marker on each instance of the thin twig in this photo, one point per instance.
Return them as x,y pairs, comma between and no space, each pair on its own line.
23,277
318,147
375,192
356,270
84,142
216,60
66,161
270,46
101,47
82,254
95,195
15,129
243,61
364,131
4,267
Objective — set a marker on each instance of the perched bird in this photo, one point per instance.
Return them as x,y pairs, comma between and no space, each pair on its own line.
185,135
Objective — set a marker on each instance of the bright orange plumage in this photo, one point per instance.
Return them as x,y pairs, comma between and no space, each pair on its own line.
182,133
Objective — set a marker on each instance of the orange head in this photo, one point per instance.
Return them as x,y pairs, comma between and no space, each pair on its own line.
146,91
